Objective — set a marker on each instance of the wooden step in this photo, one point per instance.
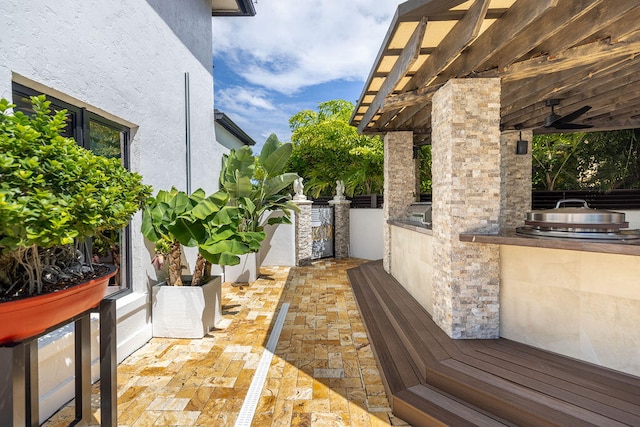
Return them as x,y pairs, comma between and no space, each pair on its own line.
424,405
395,365
503,381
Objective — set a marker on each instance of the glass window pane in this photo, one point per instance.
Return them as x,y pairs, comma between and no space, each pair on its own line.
104,140
23,104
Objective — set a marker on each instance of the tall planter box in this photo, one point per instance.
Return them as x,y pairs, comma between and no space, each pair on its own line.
186,311
247,271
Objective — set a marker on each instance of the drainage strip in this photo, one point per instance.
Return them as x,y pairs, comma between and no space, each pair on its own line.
245,417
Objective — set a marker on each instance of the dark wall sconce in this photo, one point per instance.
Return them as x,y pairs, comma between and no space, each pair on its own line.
522,146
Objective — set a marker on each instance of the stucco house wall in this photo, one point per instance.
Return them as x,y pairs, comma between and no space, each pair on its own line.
125,61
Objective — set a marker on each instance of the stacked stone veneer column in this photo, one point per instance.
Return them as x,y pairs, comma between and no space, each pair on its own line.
516,180
399,184
304,238
341,226
466,177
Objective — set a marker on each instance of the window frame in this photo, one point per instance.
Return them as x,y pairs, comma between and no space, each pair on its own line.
80,132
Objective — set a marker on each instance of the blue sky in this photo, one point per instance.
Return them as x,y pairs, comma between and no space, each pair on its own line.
292,55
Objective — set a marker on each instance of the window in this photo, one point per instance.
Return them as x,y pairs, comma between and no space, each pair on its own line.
103,137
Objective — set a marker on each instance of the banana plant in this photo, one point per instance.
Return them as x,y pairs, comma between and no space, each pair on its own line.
256,185
173,219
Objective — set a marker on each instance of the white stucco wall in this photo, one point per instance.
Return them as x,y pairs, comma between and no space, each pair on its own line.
278,249
227,139
127,62
366,233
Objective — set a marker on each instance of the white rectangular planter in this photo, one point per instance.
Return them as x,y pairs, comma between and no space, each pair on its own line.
186,311
246,271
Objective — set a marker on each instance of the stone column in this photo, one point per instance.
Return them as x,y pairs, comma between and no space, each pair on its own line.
399,183
516,179
466,198
304,237
341,209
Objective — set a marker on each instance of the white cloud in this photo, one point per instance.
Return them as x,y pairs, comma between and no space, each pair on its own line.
238,98
293,44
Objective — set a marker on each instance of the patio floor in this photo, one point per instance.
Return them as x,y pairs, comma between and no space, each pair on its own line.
323,372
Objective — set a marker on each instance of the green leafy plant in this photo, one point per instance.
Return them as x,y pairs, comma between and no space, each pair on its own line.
54,193
256,185
173,219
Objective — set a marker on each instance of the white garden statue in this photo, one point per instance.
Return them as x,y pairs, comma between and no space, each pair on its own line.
339,190
298,188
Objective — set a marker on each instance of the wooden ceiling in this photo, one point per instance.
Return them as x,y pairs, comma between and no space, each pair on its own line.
580,52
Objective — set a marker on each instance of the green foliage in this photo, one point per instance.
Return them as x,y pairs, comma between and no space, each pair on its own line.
53,191
425,168
586,161
208,223
326,148
555,160
255,185
610,160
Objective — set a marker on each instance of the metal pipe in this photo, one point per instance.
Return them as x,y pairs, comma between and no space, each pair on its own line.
187,130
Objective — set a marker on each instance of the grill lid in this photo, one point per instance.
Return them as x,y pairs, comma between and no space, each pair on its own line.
580,218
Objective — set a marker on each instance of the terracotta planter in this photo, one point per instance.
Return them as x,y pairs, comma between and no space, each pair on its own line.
186,311
25,318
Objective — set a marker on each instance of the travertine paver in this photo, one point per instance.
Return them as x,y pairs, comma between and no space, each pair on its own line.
323,372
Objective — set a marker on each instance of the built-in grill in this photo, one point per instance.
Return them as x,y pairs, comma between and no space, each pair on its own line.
578,222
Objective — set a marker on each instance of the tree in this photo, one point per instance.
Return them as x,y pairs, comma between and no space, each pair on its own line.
326,149
555,161
610,160
587,161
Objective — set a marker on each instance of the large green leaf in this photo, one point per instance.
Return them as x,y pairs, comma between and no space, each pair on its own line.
279,220
247,205
278,183
270,146
277,161
188,233
147,228
220,259
239,186
208,207
229,246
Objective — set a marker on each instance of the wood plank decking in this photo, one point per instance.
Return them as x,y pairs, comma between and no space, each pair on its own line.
433,380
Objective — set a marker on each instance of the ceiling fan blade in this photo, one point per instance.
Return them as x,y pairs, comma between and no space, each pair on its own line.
572,126
571,116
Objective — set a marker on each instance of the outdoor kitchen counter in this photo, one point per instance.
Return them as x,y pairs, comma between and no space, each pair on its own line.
412,225
509,237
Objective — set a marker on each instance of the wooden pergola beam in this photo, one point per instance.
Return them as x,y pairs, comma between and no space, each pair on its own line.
591,53
408,56
600,78
464,32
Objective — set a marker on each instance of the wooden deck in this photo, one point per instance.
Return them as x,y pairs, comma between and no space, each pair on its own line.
433,380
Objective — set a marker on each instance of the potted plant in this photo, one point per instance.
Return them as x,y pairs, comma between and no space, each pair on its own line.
189,306
256,186
54,195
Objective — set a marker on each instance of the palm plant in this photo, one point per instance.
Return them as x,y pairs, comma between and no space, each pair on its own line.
255,185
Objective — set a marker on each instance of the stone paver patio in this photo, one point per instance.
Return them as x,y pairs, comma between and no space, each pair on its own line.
323,372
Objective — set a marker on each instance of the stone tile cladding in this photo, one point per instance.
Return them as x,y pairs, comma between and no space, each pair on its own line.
341,227
399,183
466,197
304,238
516,180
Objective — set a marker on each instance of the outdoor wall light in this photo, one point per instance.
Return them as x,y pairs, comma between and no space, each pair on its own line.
522,146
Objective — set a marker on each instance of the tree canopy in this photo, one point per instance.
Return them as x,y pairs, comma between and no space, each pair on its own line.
326,148
587,161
